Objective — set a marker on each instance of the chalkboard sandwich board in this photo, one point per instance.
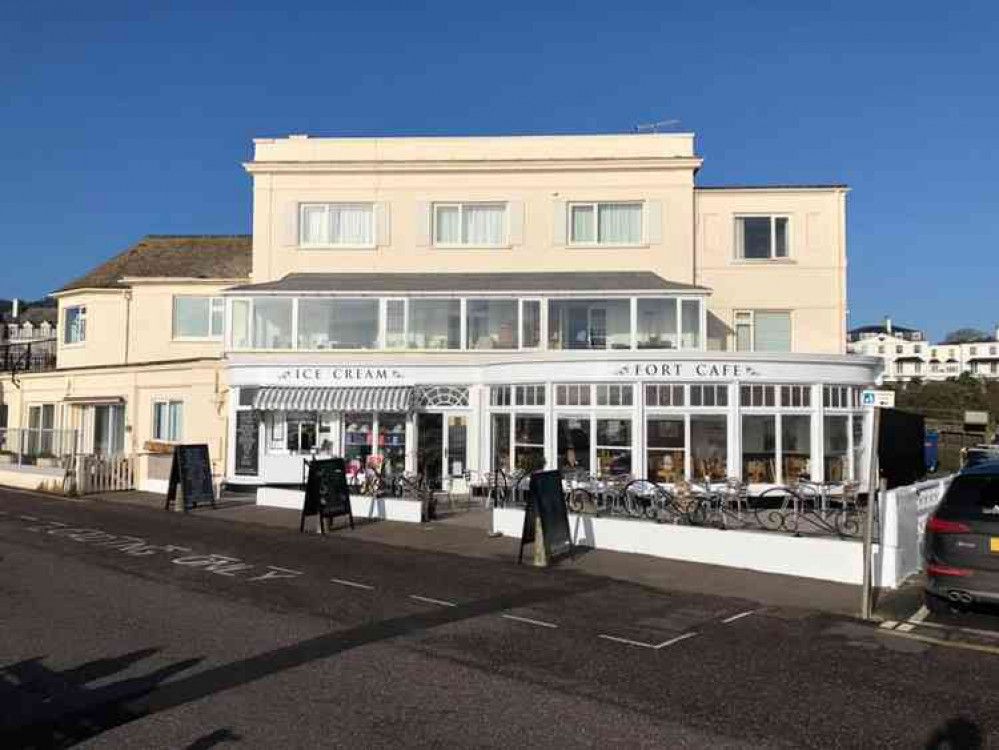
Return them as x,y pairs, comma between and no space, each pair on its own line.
191,477
546,502
327,494
247,444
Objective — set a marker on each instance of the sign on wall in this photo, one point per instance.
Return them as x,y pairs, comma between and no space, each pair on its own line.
884,399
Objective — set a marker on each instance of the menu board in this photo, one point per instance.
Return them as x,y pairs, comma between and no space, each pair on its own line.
326,492
191,475
547,502
247,443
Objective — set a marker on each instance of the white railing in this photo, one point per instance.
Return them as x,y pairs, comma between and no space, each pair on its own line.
97,474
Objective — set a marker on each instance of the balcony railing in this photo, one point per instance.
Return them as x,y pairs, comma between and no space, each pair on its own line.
34,356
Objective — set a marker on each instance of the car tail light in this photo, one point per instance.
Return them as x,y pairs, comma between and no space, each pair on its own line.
935,569
939,526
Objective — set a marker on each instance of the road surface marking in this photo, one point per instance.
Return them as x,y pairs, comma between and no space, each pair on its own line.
915,620
428,600
353,584
888,625
939,642
653,646
28,518
739,616
529,621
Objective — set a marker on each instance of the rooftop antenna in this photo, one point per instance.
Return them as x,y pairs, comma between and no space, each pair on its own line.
655,127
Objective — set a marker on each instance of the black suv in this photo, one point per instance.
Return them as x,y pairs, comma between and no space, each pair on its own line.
961,548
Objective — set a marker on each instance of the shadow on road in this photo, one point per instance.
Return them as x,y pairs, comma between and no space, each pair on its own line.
65,717
959,733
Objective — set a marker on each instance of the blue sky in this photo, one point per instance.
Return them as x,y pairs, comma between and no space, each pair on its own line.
120,120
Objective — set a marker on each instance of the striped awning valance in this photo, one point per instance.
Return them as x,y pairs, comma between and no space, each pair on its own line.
372,398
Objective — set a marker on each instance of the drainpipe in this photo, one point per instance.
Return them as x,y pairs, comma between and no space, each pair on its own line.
128,321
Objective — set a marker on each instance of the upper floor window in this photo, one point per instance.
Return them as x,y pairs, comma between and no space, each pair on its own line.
336,225
762,331
761,237
75,328
974,351
898,349
198,317
469,224
605,223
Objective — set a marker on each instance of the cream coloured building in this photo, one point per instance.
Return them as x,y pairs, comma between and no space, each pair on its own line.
455,305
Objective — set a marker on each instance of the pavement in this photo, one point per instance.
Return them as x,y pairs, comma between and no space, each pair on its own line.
125,626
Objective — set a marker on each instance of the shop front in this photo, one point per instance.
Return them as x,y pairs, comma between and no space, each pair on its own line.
764,419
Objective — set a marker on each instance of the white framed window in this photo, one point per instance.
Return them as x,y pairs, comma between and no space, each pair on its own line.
75,326
168,420
709,395
762,237
606,223
615,395
572,394
763,331
469,224
663,395
336,225
395,324
196,317
530,395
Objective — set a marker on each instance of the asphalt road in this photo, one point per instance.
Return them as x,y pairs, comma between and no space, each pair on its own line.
124,627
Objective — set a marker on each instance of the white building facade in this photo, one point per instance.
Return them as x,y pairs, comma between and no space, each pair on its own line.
458,306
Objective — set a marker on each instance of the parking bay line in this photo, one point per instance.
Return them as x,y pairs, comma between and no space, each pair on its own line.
529,621
352,584
739,616
428,600
915,620
941,642
653,646
955,628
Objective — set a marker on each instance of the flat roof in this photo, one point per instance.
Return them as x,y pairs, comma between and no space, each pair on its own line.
451,283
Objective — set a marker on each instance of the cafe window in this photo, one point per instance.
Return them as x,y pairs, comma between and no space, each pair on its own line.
572,394
491,324
796,396
665,443
664,395
615,395
529,442
500,395
574,444
500,435
301,431
759,448
840,397
530,395
271,323
168,421
435,324
757,395
836,442
796,446
337,323
392,442
709,446
358,438
613,446
709,395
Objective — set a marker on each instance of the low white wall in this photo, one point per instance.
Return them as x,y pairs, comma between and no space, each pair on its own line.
157,486
904,512
32,478
384,508
827,559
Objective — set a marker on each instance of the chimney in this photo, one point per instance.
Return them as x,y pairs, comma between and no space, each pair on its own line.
15,308
888,325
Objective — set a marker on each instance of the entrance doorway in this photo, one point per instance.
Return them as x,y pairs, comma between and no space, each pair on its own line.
441,453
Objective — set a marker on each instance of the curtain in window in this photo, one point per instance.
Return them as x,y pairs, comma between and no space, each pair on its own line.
582,224
620,223
314,225
448,230
483,225
351,225
773,331
190,317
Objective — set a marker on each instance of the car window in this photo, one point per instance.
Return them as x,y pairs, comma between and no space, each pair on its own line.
978,495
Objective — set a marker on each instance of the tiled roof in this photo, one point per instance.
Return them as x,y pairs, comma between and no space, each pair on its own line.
178,256
571,281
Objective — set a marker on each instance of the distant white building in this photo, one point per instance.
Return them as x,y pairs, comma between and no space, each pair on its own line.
908,356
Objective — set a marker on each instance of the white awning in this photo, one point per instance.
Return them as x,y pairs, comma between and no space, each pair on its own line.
370,398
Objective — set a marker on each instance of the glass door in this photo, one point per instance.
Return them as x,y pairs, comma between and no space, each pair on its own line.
457,444
430,448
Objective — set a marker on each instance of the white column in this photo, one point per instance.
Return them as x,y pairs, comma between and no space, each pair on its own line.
735,431
818,435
